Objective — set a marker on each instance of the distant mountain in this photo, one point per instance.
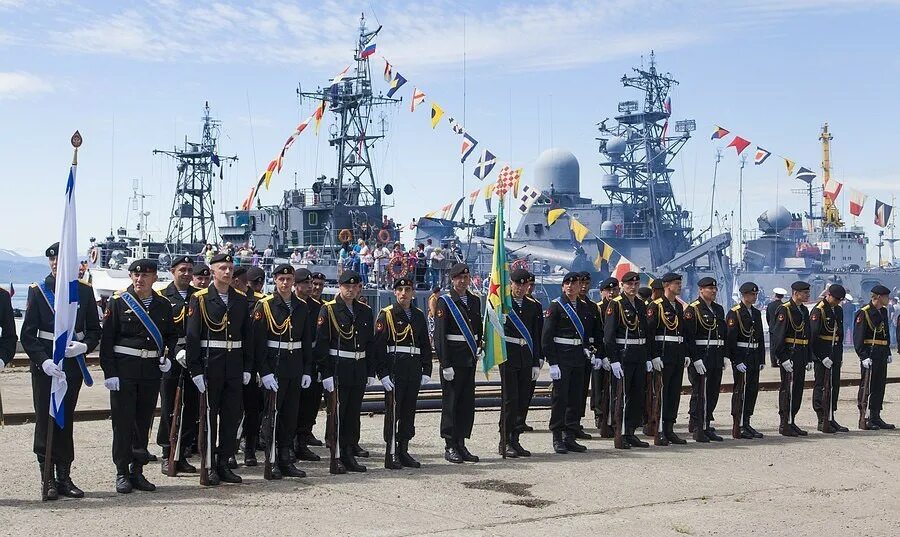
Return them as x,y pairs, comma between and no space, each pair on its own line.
19,268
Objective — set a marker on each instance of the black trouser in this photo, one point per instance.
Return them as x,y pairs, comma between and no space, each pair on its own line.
564,412
310,403
225,402
63,446
527,395
673,375
876,385
190,404
350,398
288,401
743,395
458,405
820,398
586,390
790,396
253,404
635,380
516,389
708,399
132,407
406,392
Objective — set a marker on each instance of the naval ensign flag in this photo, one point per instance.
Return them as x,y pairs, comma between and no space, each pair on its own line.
66,293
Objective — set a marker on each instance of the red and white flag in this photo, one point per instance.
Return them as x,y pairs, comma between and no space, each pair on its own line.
624,266
418,97
857,201
832,189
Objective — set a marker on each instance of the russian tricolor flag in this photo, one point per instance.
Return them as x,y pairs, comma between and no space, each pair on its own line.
368,51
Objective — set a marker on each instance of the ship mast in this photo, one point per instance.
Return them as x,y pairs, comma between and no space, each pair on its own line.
830,215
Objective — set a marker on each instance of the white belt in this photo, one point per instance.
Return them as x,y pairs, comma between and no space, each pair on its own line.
631,341
140,353
456,337
567,340
284,345
181,341
516,340
405,349
43,334
347,354
215,344
710,342
671,339
747,344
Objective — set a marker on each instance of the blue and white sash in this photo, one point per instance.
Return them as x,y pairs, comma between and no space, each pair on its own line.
520,326
145,319
51,299
461,323
576,321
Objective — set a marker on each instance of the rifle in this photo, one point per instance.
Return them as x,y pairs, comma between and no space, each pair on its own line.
2,416
175,428
654,398
271,419
740,393
47,477
865,390
205,432
618,440
332,428
390,416
606,404
827,385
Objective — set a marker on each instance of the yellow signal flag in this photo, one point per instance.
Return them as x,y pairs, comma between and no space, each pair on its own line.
789,164
579,229
436,114
553,215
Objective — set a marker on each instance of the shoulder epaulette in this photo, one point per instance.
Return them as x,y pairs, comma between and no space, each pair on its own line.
736,307
266,298
864,307
364,304
821,305
531,298
202,292
329,302
238,291
694,303
658,301
158,292
87,283
618,299
389,307
116,294
259,295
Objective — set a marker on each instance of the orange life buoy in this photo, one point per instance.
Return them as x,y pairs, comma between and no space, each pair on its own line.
94,255
384,235
345,235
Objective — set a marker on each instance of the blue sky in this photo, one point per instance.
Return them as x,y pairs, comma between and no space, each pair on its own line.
133,76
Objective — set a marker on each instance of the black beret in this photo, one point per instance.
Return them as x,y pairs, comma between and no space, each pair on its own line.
318,276
707,282
403,282
609,283
201,270
571,277
283,268
645,292
239,271
530,278
800,286
880,290
748,287
53,250
631,276
656,284
459,269
256,274
302,275
520,275
837,291
349,276
585,276
222,257
181,259
142,266
671,277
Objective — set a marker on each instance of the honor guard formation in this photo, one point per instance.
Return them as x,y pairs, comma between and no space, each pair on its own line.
235,367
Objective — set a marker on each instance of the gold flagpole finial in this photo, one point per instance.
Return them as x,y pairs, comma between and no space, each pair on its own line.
76,143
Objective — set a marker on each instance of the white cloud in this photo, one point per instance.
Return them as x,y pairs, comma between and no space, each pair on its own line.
19,84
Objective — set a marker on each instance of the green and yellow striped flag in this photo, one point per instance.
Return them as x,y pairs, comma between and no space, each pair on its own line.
498,301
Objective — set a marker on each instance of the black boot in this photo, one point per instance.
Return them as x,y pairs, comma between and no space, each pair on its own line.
286,466
404,457
699,433
572,445
250,451
184,467
358,451
838,427
754,432
786,429
798,430
634,441
711,434
465,453
123,483
311,440
64,485
232,463
138,480
49,493
451,453
337,467
305,454
558,445
514,442
673,438
225,473
390,459
351,464
581,434
504,449
876,419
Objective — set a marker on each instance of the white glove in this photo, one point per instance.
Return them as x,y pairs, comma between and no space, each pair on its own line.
809,366
867,363
425,380
890,358
386,382
657,364
181,358
535,373
827,362
541,363
617,370
687,361
596,363
587,354
761,366
269,382
305,381
328,384
371,381
166,365
480,354
555,373
448,374
649,366
788,366
53,370
200,383
701,369
2,364
111,384
606,365
246,379
75,348
741,368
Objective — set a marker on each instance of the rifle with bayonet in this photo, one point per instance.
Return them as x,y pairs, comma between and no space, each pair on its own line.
269,424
